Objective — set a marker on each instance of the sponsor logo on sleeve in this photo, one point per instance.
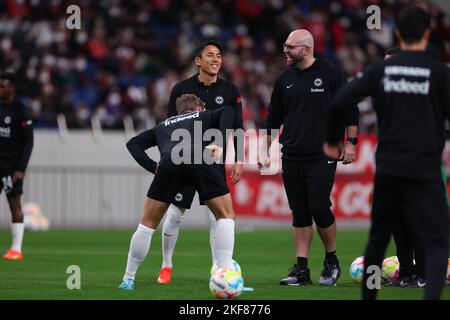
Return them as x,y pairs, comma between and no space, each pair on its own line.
26,123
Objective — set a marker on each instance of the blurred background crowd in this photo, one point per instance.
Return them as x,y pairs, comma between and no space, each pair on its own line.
129,53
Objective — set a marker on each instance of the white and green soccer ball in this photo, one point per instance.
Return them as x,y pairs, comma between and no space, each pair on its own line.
357,269
226,283
234,266
390,269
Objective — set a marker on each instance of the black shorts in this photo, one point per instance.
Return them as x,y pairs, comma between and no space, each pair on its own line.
6,184
177,183
187,193
308,184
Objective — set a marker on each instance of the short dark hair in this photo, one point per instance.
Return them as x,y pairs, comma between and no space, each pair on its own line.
392,51
188,103
199,51
412,22
9,75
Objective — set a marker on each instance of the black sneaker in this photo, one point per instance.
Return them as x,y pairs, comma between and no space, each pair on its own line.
396,283
330,273
297,277
413,282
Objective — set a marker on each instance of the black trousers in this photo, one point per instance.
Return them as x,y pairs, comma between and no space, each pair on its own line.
409,250
422,206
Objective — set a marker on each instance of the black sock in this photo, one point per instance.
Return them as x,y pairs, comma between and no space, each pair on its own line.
331,256
302,263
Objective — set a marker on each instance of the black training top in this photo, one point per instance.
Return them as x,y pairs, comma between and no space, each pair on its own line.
301,100
190,139
218,94
411,92
16,136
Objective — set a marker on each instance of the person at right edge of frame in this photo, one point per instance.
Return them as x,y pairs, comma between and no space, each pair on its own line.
410,253
300,101
412,101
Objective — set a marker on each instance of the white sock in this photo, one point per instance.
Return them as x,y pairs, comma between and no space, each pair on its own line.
169,234
139,246
17,235
224,242
212,232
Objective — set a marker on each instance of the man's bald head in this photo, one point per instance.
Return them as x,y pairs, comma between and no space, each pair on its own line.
299,48
301,37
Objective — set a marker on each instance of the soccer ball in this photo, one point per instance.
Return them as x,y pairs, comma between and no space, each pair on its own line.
390,269
226,283
235,267
33,218
447,281
357,269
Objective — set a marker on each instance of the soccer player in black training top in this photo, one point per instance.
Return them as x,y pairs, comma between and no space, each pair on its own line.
171,177
300,101
411,256
412,101
16,144
215,93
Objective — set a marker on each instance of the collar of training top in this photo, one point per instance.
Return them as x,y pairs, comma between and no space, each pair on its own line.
316,64
198,82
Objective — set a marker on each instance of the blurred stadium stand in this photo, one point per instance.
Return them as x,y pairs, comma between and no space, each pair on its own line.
129,54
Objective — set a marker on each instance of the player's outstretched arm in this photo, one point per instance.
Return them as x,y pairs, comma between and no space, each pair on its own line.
238,143
137,146
222,119
274,121
345,99
351,121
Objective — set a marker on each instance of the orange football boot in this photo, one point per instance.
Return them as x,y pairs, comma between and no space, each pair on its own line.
165,275
13,255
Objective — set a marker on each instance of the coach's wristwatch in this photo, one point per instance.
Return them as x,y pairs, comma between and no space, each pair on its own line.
352,140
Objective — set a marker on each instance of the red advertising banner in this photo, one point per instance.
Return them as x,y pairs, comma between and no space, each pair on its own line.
263,196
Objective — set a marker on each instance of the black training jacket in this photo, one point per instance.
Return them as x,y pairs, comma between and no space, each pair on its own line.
301,101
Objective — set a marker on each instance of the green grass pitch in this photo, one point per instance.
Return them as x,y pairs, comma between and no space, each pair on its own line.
264,256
